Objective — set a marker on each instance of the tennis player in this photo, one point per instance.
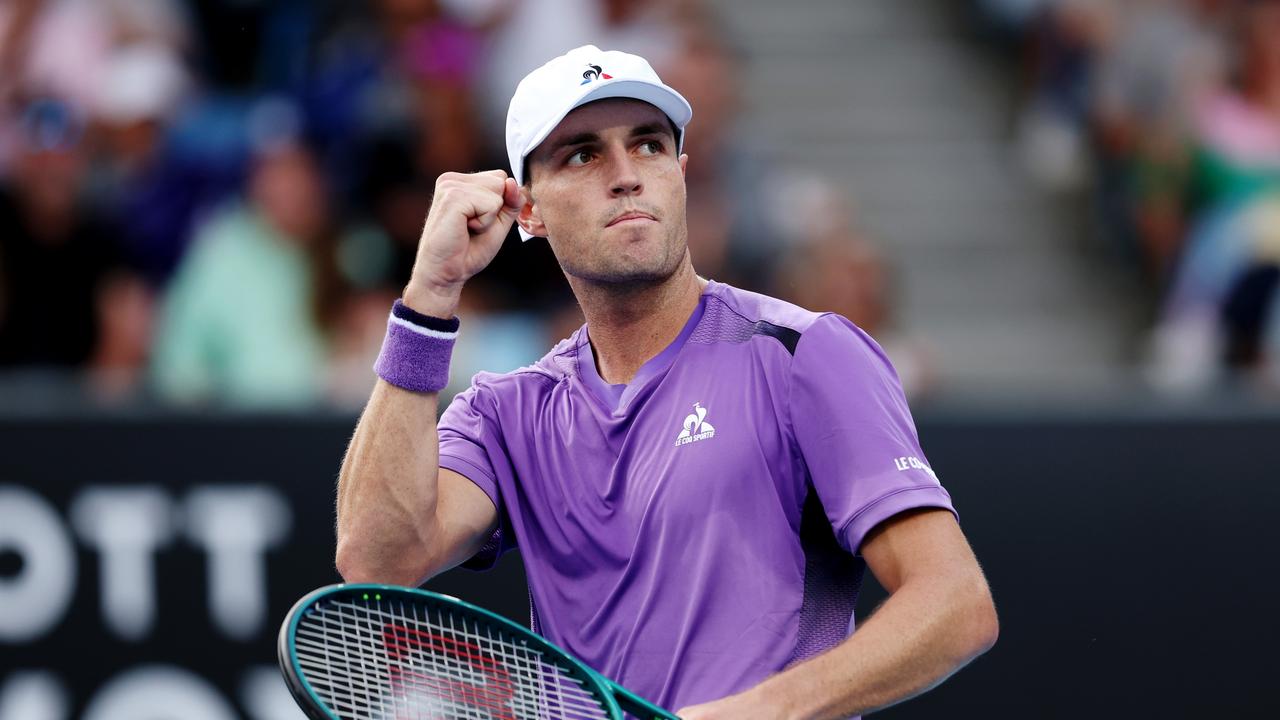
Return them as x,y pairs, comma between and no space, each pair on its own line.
697,477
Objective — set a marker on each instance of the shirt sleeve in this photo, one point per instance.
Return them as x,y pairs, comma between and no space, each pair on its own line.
466,437
855,431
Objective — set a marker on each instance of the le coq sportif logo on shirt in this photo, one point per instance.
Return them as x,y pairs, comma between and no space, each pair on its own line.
696,427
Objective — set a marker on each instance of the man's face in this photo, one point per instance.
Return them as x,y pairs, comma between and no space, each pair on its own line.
607,190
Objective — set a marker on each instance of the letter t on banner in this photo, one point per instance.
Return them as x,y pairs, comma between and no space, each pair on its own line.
236,525
126,525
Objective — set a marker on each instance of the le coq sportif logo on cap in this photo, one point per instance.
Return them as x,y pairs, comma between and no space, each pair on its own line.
594,72
696,427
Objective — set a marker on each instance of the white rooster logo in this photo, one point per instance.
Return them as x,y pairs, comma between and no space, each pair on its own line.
696,427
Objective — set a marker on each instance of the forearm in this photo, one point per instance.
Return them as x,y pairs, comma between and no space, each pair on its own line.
390,499
922,634
387,489
388,486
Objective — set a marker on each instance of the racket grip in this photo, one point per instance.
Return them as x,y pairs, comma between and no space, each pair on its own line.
638,706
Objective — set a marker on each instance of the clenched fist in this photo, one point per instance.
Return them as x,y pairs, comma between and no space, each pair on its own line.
470,216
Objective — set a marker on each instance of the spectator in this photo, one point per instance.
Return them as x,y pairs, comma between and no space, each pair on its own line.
830,266
1156,66
1239,127
48,49
523,33
440,56
125,312
1219,321
59,48
54,255
731,237
391,100
151,191
1248,318
1053,124
249,316
54,48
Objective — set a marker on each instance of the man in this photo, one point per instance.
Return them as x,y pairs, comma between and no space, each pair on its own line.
690,474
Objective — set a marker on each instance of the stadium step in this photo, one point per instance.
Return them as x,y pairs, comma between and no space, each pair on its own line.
892,99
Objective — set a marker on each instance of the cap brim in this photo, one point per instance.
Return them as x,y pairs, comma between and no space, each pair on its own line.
664,98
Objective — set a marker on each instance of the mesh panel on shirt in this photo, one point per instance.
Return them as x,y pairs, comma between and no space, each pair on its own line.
721,324
566,362
487,555
832,578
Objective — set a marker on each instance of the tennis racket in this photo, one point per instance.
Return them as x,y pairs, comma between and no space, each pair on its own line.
382,652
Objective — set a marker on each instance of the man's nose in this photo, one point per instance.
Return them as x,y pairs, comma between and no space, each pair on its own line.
626,179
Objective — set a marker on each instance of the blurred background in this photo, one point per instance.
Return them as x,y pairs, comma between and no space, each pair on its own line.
1061,218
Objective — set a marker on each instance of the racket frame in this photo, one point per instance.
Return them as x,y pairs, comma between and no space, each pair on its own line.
615,697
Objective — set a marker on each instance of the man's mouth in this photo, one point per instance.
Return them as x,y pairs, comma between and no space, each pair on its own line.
632,216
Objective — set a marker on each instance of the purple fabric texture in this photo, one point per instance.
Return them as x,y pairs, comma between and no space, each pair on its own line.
696,530
415,352
832,580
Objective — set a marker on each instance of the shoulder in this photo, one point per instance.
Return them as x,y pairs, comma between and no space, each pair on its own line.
808,336
758,307
226,237
736,314
227,223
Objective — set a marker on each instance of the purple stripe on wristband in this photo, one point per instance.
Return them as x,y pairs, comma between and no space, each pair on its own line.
415,357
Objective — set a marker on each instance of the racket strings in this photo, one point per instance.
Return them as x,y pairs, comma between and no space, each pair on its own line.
453,682
448,682
456,674
376,660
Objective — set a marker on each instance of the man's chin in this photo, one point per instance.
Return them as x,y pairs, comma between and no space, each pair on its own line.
629,275
635,257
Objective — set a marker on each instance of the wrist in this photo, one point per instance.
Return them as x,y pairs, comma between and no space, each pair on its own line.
434,300
422,323
775,698
415,352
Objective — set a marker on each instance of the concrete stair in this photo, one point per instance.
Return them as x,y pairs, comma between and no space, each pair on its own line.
892,99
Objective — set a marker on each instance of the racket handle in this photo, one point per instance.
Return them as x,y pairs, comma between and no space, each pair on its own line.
638,706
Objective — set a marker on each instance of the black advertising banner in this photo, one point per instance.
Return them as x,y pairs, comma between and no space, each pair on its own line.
145,564
1125,551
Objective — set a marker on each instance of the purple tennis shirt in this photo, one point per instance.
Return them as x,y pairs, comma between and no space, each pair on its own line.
696,530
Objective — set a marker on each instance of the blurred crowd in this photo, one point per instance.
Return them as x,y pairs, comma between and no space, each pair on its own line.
1167,112
214,202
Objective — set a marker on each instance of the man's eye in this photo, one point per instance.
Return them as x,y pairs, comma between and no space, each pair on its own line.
578,158
651,147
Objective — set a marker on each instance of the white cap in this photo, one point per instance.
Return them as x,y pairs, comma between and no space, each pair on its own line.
582,75
140,82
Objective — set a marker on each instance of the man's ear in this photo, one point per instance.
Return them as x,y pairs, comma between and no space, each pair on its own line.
684,162
530,217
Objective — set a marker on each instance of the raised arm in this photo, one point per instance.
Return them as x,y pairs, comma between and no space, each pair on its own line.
401,518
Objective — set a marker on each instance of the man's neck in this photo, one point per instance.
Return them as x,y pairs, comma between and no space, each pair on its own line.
630,325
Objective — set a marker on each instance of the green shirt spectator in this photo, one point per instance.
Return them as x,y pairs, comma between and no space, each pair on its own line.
238,326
